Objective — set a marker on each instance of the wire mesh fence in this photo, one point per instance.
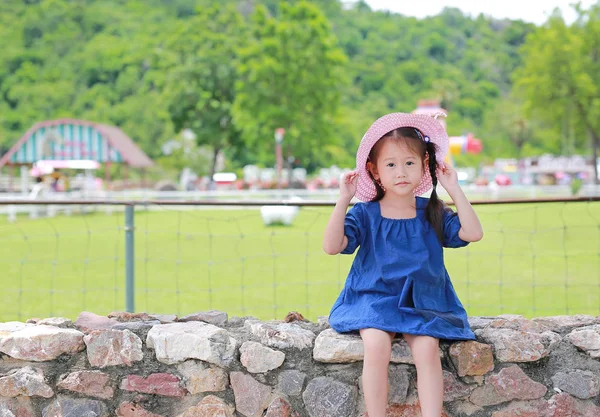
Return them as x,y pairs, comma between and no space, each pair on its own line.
537,258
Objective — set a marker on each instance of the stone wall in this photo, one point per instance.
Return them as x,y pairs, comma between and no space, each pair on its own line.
208,364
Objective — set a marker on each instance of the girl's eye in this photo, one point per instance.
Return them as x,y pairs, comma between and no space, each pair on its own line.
391,164
410,163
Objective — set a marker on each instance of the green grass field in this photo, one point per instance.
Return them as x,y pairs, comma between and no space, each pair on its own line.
535,260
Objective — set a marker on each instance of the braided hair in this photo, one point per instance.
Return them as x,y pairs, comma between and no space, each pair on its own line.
435,207
422,146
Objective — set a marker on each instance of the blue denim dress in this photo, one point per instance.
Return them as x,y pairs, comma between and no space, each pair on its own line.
398,281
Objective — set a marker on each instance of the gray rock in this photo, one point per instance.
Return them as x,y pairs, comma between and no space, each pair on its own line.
57,322
562,324
90,383
291,382
401,352
508,384
258,358
587,339
333,347
25,381
216,317
477,322
16,407
70,407
41,343
398,377
177,342
251,397
454,388
135,326
210,406
327,397
581,384
281,335
323,321
164,318
86,322
113,348
200,378
511,345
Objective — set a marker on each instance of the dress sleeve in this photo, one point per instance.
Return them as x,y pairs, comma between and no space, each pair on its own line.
353,226
451,228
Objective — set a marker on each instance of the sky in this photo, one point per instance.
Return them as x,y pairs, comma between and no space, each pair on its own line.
534,11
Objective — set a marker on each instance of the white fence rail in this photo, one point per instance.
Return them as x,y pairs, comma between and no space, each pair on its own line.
474,193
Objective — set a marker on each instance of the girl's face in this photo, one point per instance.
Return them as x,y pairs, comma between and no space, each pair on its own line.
398,168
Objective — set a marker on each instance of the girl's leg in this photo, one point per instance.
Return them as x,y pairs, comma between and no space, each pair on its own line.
430,379
378,351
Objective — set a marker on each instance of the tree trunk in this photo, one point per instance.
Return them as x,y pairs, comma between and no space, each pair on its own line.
595,143
213,164
594,135
287,160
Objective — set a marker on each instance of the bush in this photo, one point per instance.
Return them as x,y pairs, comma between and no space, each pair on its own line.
576,186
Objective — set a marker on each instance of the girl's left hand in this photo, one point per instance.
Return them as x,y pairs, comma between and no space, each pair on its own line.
447,177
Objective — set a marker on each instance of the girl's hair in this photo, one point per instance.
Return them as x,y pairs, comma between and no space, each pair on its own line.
415,142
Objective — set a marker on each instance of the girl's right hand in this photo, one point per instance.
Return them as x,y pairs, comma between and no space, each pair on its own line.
348,185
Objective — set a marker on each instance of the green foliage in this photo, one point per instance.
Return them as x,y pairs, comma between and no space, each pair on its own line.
576,185
200,88
232,71
560,81
291,76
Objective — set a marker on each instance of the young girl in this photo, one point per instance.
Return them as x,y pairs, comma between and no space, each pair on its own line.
398,283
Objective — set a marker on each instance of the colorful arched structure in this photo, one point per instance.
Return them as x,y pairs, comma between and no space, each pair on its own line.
72,139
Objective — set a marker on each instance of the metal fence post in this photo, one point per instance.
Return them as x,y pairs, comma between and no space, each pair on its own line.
129,260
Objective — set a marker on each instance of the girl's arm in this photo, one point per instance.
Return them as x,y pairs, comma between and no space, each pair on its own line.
335,240
470,227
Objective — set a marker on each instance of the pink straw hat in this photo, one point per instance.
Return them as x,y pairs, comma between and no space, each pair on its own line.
426,124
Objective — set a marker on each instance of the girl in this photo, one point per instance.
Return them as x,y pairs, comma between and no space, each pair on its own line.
398,282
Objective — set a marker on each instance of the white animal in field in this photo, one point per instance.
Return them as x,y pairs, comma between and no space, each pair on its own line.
280,214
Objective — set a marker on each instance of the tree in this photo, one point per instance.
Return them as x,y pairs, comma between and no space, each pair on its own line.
82,59
509,132
561,74
201,85
291,76
112,61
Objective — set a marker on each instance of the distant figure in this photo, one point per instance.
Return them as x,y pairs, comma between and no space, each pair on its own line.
398,283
